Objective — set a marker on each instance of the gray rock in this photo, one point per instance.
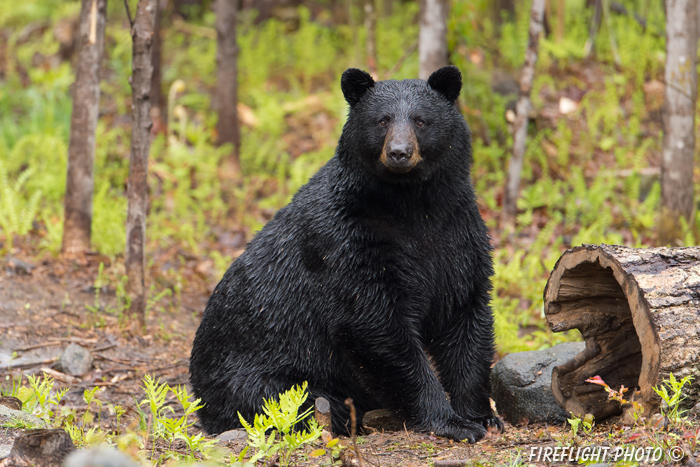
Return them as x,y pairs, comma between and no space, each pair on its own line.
5,450
75,360
17,266
233,435
522,384
695,410
9,416
101,456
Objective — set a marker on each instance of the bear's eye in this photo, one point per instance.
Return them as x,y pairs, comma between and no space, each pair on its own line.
384,121
420,122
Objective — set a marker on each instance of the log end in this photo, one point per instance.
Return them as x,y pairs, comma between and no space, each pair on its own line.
589,290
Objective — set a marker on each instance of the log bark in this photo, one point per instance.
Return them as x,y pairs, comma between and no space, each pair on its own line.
39,448
638,311
679,117
137,190
81,147
227,127
522,110
432,37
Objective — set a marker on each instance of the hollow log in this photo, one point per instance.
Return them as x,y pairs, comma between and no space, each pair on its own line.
638,311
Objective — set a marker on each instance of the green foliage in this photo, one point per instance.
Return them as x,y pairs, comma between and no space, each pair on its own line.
671,392
168,428
585,178
281,418
586,423
40,399
16,211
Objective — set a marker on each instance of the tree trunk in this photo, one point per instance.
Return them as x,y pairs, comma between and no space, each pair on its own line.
500,8
354,29
561,20
679,117
371,28
81,146
227,127
388,7
432,37
522,109
637,310
158,102
137,191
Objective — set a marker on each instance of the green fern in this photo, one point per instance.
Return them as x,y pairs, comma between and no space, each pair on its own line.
280,418
16,212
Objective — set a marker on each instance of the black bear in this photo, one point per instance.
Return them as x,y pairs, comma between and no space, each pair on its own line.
373,283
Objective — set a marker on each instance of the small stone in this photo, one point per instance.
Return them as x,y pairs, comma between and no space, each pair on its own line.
696,409
232,435
18,266
5,450
75,360
102,456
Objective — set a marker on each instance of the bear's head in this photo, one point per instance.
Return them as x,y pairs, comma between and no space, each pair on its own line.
404,131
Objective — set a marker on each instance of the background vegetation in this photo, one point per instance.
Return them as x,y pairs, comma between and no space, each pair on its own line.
591,175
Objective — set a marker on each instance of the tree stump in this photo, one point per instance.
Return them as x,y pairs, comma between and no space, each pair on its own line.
638,311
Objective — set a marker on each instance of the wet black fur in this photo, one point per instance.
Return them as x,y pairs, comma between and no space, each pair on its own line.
369,284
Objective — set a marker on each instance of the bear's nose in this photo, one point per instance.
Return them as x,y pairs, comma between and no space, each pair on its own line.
400,151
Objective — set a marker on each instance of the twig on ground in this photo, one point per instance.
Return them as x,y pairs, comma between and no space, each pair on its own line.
36,346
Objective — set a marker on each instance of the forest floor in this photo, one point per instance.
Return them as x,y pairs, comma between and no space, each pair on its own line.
48,305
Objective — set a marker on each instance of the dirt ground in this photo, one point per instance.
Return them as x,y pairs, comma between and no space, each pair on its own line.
45,307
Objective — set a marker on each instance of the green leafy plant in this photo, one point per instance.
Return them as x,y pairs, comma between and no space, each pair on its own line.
40,400
11,389
586,423
671,392
280,419
16,212
333,448
163,426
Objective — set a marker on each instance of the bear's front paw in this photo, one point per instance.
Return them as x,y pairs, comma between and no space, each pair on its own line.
484,417
459,429
491,423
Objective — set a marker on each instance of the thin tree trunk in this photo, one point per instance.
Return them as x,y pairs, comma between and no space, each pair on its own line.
353,22
371,28
227,78
679,117
158,103
388,7
137,191
81,146
432,37
499,8
593,30
522,110
561,20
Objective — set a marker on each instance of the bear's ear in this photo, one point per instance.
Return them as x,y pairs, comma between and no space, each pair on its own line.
447,81
355,84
